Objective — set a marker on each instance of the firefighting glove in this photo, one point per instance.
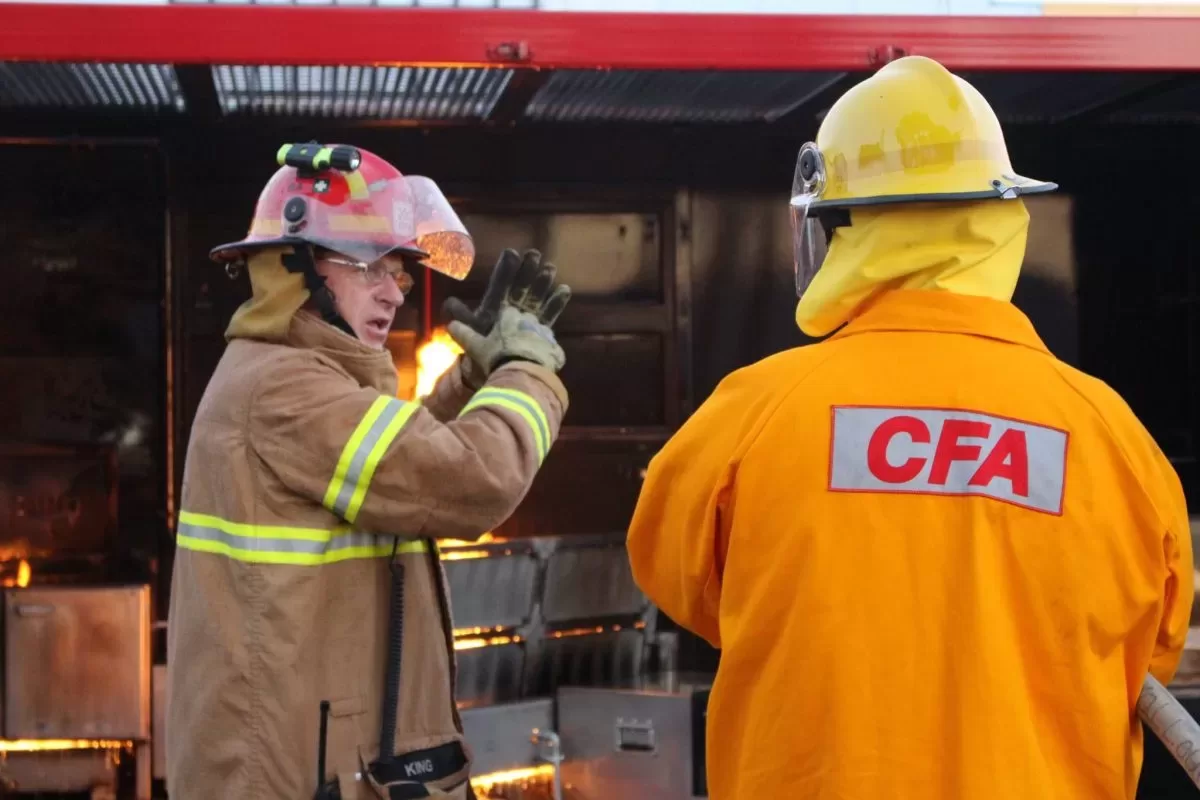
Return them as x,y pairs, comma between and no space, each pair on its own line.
515,280
516,336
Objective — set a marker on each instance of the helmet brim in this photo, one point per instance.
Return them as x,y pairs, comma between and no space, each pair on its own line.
1000,191
236,251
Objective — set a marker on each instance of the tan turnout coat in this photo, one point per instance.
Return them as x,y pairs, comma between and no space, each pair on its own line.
302,469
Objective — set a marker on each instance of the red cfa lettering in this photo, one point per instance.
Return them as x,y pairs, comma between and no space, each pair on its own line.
933,451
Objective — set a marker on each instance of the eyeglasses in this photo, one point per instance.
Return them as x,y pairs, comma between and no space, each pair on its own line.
378,272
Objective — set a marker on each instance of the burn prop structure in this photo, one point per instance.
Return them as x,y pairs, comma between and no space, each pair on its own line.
565,672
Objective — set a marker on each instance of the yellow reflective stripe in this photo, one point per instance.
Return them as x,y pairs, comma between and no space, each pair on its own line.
280,544
360,433
273,557
358,185
262,531
361,456
521,404
374,456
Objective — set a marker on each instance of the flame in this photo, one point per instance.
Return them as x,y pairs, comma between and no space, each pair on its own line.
475,644
433,359
47,745
24,573
463,555
478,631
483,783
13,553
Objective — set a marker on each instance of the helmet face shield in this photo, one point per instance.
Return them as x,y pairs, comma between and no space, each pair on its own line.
809,243
436,229
407,213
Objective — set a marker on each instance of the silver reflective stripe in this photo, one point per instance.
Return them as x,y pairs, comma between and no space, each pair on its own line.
335,544
521,404
279,544
362,453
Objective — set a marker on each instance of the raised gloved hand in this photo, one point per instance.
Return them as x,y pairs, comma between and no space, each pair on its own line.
516,336
524,282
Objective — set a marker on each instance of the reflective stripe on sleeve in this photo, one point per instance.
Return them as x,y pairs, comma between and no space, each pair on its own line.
519,403
380,425
280,544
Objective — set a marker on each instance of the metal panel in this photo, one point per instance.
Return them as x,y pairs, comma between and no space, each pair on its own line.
490,674
590,582
632,743
608,258
586,660
360,92
672,97
495,592
56,499
77,663
499,736
588,485
60,771
259,34
158,726
105,85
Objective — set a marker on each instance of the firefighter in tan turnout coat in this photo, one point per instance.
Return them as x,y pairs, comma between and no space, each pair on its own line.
309,617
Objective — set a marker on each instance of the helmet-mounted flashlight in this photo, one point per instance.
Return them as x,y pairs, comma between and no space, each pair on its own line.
312,158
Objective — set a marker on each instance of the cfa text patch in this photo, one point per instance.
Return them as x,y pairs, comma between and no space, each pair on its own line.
935,451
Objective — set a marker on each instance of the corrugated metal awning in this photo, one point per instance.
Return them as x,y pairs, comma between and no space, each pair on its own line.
674,97
251,60
418,94
118,87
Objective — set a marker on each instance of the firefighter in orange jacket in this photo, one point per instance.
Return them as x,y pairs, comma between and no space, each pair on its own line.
938,562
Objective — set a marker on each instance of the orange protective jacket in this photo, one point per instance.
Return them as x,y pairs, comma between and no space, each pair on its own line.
938,563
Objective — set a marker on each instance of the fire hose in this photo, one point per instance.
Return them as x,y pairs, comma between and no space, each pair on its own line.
1172,724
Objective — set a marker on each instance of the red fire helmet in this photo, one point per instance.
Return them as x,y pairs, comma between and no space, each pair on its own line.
355,203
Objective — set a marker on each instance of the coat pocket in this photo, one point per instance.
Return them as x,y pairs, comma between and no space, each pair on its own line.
344,734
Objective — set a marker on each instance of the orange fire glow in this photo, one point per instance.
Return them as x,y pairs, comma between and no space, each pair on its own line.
434,357
463,555
485,783
24,573
49,745
474,644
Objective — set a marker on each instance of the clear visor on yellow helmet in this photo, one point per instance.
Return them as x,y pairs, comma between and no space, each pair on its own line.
808,235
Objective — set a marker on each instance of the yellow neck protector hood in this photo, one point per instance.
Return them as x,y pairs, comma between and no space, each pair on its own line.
278,295
973,248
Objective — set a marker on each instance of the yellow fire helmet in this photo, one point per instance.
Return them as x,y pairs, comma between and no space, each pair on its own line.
911,133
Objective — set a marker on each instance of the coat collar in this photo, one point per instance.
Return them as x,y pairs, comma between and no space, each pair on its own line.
945,312
369,367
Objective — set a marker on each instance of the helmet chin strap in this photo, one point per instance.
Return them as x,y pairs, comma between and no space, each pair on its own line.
301,260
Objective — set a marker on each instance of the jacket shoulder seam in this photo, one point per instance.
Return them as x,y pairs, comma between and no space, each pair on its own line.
765,419
1066,378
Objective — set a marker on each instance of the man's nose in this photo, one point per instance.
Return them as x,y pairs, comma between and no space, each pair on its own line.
391,293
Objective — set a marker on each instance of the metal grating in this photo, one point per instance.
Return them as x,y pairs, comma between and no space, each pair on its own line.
674,96
54,86
406,93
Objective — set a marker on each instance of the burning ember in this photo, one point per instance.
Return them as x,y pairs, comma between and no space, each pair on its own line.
21,579
50,745
433,359
531,783
463,555
491,641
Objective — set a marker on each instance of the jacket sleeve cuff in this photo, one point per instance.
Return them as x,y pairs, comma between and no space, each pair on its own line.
552,381
449,394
